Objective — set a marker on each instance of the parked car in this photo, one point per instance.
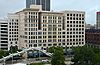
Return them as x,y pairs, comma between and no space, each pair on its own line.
45,61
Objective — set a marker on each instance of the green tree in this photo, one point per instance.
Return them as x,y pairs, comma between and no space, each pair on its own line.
58,56
3,53
86,56
13,49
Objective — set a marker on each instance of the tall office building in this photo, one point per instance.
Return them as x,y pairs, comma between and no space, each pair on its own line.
45,4
44,29
3,34
33,27
74,28
13,40
98,20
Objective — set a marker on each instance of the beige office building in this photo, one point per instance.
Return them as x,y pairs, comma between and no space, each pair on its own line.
33,27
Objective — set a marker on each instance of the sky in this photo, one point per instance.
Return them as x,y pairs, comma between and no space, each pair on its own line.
89,6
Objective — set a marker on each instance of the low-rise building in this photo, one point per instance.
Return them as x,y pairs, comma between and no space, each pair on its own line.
92,37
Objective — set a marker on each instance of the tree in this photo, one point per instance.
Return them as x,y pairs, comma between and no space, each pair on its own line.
58,56
3,53
13,49
86,56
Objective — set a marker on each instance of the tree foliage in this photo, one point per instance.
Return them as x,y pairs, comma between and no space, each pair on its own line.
3,53
13,49
58,56
86,56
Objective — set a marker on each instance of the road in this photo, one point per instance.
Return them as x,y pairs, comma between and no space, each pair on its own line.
34,60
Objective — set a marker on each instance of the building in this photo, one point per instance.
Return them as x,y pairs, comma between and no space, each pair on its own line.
93,37
33,27
13,36
89,26
3,34
98,20
74,28
45,4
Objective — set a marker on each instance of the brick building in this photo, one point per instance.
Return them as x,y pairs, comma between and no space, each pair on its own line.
92,37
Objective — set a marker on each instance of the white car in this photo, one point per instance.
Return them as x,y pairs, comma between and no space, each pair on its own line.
46,60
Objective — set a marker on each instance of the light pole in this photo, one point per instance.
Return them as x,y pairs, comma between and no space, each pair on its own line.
12,59
11,55
26,57
4,61
39,54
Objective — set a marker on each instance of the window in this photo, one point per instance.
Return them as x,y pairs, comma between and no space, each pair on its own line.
70,14
12,20
73,18
40,45
10,42
15,42
82,18
79,18
44,44
39,37
67,36
70,43
26,25
63,43
67,25
35,45
49,40
67,43
67,21
63,32
25,41
73,14
39,33
70,18
49,36
39,41
76,14
67,14
67,18
54,44
49,44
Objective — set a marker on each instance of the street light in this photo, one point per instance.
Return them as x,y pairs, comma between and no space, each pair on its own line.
11,57
4,61
39,54
26,56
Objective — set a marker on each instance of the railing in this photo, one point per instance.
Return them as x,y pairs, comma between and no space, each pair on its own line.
23,51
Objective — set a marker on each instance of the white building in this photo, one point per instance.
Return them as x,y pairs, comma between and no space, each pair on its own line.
3,34
13,39
74,28
33,27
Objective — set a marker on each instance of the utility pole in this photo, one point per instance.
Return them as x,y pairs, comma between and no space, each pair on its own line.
4,61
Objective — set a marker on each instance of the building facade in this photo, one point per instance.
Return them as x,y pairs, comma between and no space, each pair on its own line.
13,36
32,27
98,20
74,28
45,4
3,34
93,37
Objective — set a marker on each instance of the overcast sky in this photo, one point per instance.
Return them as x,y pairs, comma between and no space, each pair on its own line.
89,6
